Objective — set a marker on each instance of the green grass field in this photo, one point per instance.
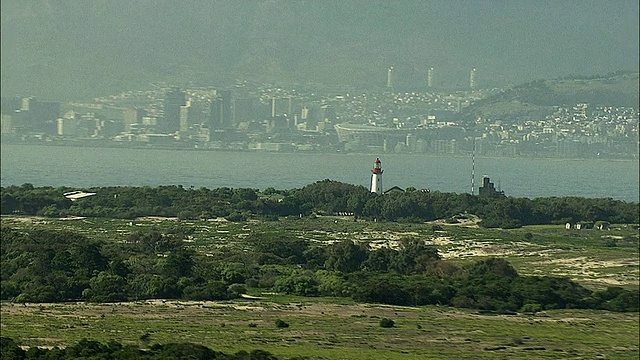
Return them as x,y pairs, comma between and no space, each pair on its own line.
331,331
328,328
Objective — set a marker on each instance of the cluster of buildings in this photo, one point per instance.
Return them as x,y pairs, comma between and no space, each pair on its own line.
581,130
29,116
268,118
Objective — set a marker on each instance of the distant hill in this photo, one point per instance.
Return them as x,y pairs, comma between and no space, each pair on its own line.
617,89
67,49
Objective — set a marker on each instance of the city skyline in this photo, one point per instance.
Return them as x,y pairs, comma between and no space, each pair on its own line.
257,117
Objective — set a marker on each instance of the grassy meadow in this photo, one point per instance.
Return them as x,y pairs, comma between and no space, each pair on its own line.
327,330
338,328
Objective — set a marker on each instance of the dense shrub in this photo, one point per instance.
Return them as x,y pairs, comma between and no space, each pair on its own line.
281,324
387,323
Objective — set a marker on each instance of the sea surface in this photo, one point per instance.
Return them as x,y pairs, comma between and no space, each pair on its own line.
43,165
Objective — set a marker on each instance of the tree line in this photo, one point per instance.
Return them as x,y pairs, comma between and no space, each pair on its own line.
55,265
322,197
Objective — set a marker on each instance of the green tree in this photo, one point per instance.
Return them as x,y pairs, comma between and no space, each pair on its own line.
414,256
179,263
301,284
382,289
290,249
379,260
9,350
331,283
487,286
346,256
106,287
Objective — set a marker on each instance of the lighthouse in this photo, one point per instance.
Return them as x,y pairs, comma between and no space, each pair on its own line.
376,177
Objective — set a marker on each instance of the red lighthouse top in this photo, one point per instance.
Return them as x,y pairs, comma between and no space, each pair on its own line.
377,166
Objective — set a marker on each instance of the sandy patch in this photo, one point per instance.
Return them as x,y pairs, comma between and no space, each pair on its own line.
588,263
176,304
473,248
441,240
156,218
27,219
587,269
465,220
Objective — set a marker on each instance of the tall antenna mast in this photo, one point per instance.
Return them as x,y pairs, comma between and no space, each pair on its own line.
473,166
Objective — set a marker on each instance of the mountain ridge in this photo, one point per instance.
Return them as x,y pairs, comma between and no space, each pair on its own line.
78,50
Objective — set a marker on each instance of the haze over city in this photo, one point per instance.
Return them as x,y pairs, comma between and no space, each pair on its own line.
64,50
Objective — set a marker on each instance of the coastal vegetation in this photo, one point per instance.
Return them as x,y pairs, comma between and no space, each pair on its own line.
53,265
286,265
323,197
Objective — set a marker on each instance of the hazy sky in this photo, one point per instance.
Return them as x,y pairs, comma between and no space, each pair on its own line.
85,48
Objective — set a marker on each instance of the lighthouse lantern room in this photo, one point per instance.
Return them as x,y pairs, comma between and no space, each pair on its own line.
376,177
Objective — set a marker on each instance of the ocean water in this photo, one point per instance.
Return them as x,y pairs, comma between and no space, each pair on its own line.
44,165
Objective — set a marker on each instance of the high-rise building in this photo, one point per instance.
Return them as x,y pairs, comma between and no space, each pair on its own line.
185,112
173,100
26,103
215,114
390,78
40,116
472,78
221,116
281,106
312,115
243,110
132,116
430,77
67,126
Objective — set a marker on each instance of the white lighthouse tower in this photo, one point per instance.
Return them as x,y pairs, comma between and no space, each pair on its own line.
376,177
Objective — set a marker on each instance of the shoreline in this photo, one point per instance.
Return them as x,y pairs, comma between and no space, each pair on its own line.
109,144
